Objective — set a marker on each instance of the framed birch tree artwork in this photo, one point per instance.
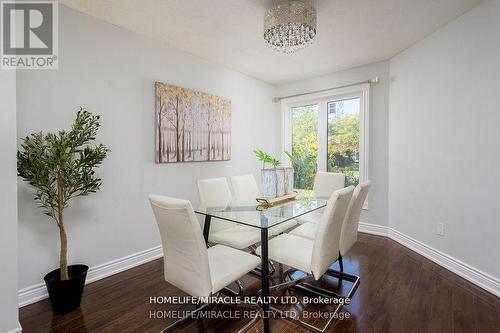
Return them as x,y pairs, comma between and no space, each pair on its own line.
191,125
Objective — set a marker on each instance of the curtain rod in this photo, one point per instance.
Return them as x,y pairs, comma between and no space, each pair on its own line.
373,80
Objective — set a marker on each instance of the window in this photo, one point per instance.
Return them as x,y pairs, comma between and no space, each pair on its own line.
327,131
304,144
343,139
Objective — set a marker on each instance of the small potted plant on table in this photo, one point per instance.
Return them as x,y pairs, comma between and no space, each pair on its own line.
275,182
61,167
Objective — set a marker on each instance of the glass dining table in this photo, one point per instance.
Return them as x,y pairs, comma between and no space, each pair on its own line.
250,213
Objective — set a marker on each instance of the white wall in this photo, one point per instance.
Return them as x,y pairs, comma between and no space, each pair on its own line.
379,99
112,72
444,139
435,152
8,202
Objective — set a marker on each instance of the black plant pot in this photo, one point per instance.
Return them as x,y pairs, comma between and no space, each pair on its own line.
66,296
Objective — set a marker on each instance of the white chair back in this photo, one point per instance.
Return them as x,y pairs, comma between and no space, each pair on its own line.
215,192
185,255
325,183
245,188
327,240
349,233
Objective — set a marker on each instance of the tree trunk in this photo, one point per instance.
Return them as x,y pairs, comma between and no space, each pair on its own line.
160,140
190,144
222,139
209,147
161,146
177,132
63,261
168,146
183,141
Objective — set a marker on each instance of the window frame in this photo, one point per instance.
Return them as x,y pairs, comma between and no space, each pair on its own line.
322,98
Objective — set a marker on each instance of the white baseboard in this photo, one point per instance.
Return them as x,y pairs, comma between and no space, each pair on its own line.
373,229
472,274
38,291
15,330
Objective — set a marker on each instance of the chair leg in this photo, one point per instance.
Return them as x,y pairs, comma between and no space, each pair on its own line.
323,329
295,283
247,326
194,315
348,277
191,315
272,268
234,293
251,322
328,293
291,283
306,287
335,273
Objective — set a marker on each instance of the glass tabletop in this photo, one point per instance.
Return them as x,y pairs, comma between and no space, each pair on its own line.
248,212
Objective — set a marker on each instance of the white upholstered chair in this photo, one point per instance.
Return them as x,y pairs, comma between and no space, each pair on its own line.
245,189
215,192
349,228
188,264
325,183
313,256
348,234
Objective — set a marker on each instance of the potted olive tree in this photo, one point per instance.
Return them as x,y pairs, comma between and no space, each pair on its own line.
61,167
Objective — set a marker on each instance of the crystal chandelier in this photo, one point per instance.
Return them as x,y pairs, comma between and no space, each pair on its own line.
290,26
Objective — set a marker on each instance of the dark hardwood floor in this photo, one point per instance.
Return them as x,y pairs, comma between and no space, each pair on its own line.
400,291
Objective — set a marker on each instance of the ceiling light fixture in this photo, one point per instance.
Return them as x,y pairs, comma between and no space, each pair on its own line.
290,26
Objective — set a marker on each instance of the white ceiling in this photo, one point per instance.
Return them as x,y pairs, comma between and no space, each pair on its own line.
229,32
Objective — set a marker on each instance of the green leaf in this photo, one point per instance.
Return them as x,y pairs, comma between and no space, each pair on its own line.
62,165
